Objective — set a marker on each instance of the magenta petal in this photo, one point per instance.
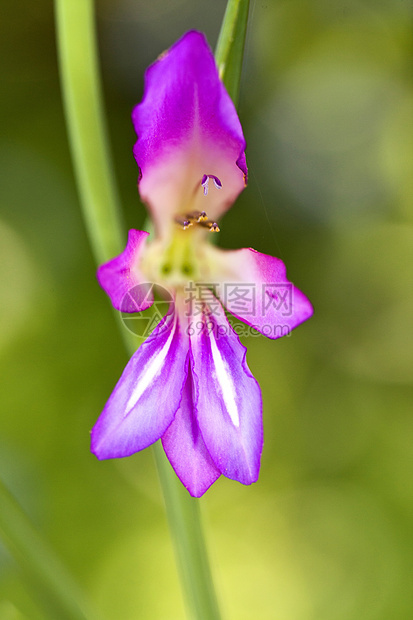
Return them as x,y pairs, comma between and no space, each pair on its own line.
187,128
186,450
227,400
254,287
147,395
122,279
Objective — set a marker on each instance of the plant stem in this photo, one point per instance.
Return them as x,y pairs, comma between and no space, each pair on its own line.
230,47
185,525
82,97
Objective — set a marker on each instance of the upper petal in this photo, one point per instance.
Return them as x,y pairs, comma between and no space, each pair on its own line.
227,398
121,277
187,127
147,395
254,287
186,450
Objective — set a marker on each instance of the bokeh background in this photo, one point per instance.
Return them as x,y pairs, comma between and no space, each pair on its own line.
327,108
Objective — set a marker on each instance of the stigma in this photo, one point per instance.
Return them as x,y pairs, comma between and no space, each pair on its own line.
205,182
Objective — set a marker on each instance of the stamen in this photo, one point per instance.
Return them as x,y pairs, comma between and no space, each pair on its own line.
213,226
183,221
196,216
205,182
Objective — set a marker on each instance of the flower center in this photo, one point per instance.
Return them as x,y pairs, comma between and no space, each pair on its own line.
175,260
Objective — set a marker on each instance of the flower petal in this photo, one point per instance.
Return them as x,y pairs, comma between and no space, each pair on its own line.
122,279
254,287
187,129
186,450
227,399
147,395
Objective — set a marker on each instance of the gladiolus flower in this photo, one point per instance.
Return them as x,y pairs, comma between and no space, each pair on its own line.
188,383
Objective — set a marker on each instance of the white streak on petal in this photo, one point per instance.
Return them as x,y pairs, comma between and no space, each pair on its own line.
149,373
224,380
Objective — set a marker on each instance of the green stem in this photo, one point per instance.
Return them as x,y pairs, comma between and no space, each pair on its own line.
185,525
82,96
44,573
230,47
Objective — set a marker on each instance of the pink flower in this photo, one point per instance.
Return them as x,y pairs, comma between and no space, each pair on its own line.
189,383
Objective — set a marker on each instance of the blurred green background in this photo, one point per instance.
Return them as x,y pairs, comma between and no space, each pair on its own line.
327,107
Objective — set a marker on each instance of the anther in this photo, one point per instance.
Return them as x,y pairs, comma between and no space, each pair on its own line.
213,226
196,216
183,221
205,182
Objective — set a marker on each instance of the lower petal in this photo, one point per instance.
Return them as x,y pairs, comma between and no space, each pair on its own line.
147,396
186,450
227,399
